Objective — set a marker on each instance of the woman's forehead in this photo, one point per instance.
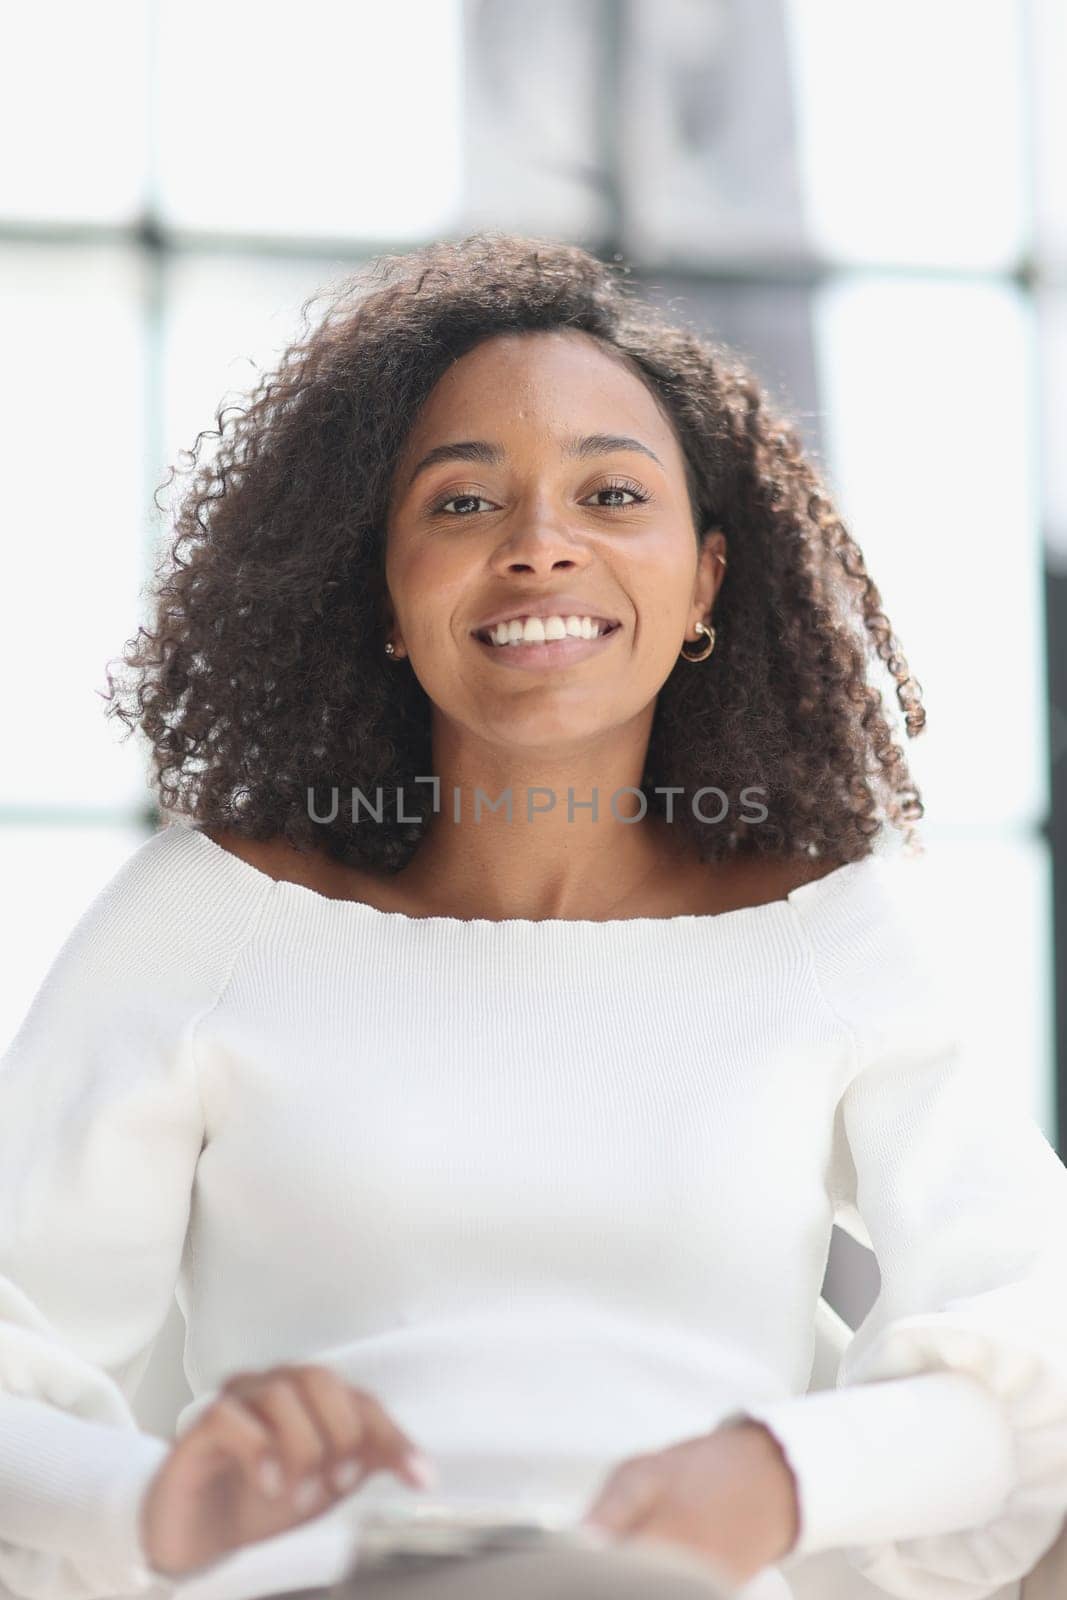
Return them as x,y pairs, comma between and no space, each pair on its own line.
566,393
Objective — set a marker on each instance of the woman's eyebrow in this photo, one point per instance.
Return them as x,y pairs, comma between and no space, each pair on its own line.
589,444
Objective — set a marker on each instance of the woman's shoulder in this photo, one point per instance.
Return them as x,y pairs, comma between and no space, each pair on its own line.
870,889
864,927
781,876
273,856
758,880
162,925
279,861
178,887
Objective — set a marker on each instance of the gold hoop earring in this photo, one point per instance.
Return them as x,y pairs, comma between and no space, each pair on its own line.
708,648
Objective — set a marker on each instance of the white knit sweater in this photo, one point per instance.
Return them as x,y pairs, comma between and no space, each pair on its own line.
557,1192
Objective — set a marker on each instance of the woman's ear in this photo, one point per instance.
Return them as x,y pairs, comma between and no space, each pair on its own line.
711,568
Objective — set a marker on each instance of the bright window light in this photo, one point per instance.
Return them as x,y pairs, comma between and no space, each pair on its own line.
929,414
334,118
911,129
72,410
74,93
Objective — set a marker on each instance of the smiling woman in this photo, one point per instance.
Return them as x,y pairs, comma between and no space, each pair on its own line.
473,429
513,1136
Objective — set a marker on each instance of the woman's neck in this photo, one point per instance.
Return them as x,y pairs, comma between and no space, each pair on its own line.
596,870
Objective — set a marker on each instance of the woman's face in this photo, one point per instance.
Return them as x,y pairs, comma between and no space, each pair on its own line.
516,518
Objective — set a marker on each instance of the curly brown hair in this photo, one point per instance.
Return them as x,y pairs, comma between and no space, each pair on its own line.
264,675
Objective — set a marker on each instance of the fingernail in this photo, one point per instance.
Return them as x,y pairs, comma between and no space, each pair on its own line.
306,1494
421,1469
271,1479
347,1475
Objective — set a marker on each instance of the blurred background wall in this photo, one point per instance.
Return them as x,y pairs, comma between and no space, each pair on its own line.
866,198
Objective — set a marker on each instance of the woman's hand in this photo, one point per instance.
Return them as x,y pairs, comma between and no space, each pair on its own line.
729,1495
273,1450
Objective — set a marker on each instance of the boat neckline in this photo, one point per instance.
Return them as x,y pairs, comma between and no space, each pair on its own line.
362,908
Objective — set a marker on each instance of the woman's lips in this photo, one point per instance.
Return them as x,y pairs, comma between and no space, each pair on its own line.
533,657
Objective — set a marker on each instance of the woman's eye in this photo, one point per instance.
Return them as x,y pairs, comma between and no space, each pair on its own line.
637,496
442,504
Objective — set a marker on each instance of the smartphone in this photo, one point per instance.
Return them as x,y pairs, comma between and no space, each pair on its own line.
410,1539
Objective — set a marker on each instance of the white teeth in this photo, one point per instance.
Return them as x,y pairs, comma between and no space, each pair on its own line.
539,630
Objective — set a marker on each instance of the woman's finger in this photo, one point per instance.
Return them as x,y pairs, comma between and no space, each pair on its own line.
329,1433
389,1446
301,1447
249,1441
339,1415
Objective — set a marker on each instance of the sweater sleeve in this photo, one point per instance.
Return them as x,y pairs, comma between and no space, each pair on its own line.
101,1129
938,1463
